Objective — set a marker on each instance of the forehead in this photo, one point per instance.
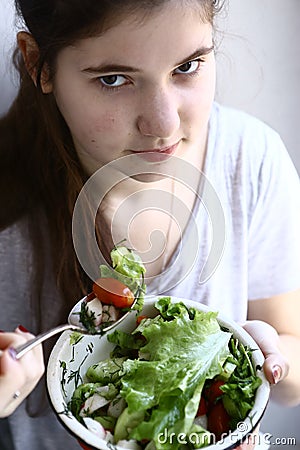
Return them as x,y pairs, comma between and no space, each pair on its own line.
172,31
140,10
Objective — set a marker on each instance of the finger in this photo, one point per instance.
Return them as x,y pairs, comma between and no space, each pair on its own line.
38,350
18,376
276,367
10,400
11,339
11,379
22,331
7,342
10,370
264,334
30,366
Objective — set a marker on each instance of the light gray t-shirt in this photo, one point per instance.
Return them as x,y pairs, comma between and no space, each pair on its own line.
249,173
259,191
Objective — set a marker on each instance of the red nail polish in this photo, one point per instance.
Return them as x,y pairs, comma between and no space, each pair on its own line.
23,329
2,331
276,373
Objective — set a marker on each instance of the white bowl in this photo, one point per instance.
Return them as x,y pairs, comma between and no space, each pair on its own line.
91,349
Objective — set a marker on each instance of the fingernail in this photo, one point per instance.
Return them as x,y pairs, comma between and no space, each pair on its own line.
23,329
1,331
12,353
276,373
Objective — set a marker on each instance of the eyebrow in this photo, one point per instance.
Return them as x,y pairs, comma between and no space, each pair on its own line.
120,68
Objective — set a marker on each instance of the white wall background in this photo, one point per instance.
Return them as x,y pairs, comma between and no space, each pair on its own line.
259,64
258,71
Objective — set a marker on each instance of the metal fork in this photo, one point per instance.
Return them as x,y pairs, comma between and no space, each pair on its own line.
20,350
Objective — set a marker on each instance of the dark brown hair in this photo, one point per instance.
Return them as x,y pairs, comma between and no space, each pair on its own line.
40,173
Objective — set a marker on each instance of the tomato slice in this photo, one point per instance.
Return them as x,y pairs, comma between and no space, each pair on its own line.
202,408
218,420
113,292
213,392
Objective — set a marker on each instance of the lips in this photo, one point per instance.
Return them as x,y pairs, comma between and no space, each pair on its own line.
157,154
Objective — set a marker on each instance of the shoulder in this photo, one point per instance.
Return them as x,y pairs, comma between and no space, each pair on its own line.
240,127
239,120
15,242
246,143
249,165
15,274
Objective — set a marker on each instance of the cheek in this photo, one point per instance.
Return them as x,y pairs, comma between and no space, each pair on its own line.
202,100
106,120
198,108
93,127
105,123
84,114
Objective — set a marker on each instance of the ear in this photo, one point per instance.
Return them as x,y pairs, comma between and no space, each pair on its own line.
30,53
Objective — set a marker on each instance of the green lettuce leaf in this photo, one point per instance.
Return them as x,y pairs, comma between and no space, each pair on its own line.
106,371
127,262
239,390
184,351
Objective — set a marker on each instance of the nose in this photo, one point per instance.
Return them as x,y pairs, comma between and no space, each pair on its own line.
159,114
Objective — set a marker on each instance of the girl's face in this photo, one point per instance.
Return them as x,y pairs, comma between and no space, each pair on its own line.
143,87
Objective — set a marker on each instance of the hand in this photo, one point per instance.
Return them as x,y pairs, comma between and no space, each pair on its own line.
276,366
17,377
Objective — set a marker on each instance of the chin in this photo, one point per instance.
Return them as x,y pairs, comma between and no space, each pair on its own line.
148,177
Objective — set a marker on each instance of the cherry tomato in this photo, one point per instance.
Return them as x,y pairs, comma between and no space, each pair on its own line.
202,408
113,292
213,392
218,420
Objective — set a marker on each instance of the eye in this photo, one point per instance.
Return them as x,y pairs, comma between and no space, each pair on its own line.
189,67
113,80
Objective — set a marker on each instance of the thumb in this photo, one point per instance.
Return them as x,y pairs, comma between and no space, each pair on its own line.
276,366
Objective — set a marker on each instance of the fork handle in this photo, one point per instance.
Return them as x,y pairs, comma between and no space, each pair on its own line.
19,351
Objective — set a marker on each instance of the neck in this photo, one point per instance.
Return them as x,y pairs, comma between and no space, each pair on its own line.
151,216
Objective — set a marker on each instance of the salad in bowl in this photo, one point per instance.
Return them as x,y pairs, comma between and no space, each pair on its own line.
174,375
